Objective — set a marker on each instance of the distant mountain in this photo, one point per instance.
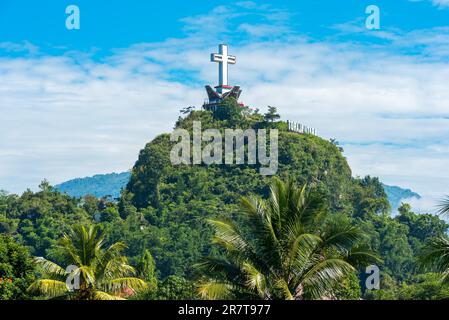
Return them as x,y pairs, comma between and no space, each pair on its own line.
100,185
396,195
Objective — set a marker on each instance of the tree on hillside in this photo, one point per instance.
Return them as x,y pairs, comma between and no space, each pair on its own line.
231,112
288,248
147,269
16,269
40,219
187,110
435,255
7,225
271,115
104,274
369,198
175,288
421,226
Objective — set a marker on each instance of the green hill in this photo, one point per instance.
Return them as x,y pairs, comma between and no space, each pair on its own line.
110,185
178,199
165,208
396,195
101,185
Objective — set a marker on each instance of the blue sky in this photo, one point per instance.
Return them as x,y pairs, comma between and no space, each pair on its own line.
76,103
116,23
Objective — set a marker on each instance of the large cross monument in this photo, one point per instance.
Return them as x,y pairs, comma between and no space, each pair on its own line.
223,90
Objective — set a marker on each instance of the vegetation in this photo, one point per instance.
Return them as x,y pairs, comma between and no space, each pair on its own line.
103,274
101,185
288,248
166,209
271,115
396,195
16,269
435,254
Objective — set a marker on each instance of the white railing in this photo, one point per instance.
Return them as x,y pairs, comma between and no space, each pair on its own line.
300,128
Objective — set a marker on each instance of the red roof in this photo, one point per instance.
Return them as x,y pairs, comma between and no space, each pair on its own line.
226,87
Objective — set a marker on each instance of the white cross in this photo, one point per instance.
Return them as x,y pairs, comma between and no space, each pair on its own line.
223,59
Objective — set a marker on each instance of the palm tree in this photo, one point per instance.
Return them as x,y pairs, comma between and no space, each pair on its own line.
435,255
287,248
444,206
104,274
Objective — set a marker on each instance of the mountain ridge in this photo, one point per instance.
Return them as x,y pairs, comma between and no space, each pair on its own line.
99,185
110,185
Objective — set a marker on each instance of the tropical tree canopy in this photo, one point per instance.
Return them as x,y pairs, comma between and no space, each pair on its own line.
104,274
435,255
289,247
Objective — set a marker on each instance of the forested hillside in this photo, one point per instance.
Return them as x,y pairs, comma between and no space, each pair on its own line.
396,194
162,213
110,185
100,185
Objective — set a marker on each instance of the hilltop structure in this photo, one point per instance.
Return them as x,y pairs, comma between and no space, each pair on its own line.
223,90
217,94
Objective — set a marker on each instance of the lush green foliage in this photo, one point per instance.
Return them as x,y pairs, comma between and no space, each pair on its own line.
16,269
396,195
38,219
426,286
165,209
288,247
104,274
173,288
101,185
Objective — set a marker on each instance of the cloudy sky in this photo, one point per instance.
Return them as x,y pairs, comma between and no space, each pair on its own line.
82,102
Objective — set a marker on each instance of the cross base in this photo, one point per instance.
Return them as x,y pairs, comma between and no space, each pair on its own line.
216,97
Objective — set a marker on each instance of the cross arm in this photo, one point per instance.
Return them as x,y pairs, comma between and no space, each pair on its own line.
215,57
232,60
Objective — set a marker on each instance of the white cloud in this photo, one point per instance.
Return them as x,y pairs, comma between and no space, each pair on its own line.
437,3
441,3
423,205
71,115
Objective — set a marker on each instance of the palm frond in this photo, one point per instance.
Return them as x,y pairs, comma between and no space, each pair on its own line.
255,280
320,280
227,235
282,286
86,273
212,266
435,255
341,235
214,290
50,268
120,284
300,253
48,287
101,295
362,256
117,268
444,206
265,241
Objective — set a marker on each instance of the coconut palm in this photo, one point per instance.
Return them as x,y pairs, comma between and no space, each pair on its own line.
444,206
435,255
104,274
287,247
